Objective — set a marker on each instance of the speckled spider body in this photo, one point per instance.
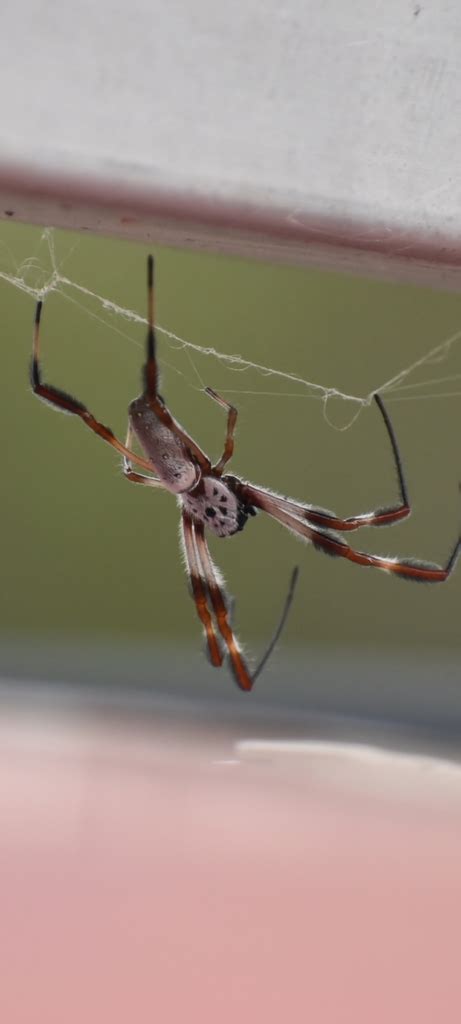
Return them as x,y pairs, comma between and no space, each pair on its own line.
222,503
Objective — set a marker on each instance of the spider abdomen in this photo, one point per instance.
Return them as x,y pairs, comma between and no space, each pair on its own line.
214,504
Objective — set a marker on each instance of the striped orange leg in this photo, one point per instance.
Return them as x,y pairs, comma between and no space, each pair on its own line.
199,592
62,400
232,414
151,378
137,478
406,568
332,544
380,517
221,610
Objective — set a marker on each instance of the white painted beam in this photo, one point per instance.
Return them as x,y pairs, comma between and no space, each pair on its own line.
324,133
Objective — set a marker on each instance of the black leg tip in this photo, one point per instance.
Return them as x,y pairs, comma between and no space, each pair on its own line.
294,577
35,376
150,271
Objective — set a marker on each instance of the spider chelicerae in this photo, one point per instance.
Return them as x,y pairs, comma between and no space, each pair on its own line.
223,503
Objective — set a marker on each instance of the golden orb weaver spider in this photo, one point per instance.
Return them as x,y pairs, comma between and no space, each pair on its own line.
223,503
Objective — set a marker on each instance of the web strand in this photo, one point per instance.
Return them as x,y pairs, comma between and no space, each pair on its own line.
397,388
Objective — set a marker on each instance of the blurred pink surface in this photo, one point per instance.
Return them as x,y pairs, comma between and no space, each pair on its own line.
147,876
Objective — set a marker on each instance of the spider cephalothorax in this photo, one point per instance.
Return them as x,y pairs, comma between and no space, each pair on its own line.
224,503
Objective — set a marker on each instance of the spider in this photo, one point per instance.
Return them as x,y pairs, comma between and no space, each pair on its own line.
223,503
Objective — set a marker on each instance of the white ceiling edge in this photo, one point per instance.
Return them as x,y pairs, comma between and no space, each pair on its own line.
111,204
324,134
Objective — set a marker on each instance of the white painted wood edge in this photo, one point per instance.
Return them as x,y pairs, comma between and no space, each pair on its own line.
324,134
261,230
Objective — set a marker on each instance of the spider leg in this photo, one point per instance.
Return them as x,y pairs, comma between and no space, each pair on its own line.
223,613
151,368
407,568
232,414
240,669
151,378
199,590
62,400
137,478
332,544
282,621
380,517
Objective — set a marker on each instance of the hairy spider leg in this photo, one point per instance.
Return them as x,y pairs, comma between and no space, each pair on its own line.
137,478
199,592
151,379
232,414
219,603
223,609
62,400
380,517
151,369
332,544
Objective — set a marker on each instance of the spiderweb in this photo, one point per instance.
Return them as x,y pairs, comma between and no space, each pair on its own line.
37,281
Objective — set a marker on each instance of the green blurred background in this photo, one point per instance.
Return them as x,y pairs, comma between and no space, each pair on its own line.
88,558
